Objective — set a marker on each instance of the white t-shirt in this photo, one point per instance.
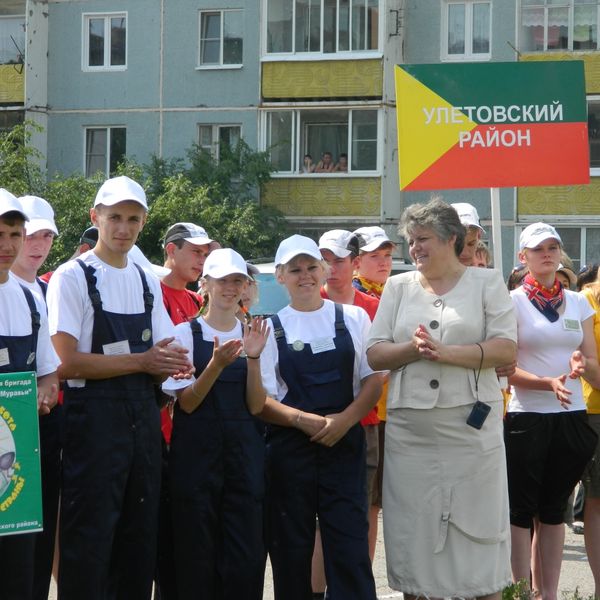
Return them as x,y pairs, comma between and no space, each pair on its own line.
70,309
184,337
317,325
35,289
544,349
15,320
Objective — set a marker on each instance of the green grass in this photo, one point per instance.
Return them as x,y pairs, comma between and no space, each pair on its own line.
520,591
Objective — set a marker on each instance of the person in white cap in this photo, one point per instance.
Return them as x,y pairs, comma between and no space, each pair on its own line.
548,441
319,387
216,462
113,335
40,232
374,262
24,346
469,217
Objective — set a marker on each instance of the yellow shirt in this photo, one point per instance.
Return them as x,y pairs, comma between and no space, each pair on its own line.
592,395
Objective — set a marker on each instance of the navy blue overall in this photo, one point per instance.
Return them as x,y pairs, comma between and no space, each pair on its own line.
50,447
16,551
111,469
307,479
217,489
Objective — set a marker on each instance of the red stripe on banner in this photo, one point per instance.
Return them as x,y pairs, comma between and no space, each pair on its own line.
558,154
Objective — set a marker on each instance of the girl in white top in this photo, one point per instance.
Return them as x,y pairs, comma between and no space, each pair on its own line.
548,441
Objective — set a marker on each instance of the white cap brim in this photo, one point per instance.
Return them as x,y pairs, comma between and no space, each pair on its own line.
337,250
35,225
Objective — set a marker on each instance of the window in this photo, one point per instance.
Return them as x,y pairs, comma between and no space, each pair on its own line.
105,148
466,30
322,26
217,138
12,40
292,134
105,41
593,105
221,38
10,119
559,25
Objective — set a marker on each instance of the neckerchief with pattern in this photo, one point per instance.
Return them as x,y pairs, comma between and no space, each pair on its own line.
544,299
367,286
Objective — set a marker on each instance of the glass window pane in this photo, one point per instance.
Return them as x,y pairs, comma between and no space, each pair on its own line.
229,136
558,28
329,25
205,137
364,140
315,26
302,25
359,19
279,139
211,26
344,26
585,34
95,151
592,245
209,52
571,239
373,25
96,43
279,25
594,132
532,30
481,29
456,29
12,28
117,147
323,131
118,39
233,37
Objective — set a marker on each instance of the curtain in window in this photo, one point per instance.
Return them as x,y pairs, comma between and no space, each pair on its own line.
279,25
456,29
481,29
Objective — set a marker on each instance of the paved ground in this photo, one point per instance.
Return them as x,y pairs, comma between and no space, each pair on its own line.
575,572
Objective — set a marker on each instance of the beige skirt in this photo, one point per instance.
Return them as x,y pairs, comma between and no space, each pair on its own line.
445,503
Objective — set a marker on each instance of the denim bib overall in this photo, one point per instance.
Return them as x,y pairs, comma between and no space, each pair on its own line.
17,551
111,469
307,479
217,488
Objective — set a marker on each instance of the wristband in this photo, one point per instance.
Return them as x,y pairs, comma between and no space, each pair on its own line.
252,357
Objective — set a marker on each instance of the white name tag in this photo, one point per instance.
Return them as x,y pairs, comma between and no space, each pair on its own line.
4,358
571,325
322,345
116,348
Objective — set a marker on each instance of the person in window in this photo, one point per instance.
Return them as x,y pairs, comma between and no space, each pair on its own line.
342,166
308,166
326,164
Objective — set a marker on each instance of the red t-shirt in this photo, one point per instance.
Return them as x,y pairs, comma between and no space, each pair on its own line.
370,304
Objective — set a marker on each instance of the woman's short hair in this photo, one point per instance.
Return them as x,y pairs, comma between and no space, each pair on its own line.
438,216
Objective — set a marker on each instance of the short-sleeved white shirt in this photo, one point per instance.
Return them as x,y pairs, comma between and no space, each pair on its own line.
70,309
184,337
544,349
309,327
15,320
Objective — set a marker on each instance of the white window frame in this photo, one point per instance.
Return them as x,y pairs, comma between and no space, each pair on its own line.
297,151
565,4
107,16
108,129
337,55
468,55
220,64
215,143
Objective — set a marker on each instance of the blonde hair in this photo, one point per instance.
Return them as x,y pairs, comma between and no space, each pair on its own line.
281,269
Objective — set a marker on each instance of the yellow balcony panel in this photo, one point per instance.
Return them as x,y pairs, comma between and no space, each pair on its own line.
591,65
12,88
324,196
322,79
563,200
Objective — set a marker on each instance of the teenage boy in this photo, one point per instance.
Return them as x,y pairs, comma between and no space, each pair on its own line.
374,262
40,231
24,346
106,315
468,216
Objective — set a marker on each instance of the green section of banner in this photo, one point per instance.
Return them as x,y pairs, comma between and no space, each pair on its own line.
536,84
20,481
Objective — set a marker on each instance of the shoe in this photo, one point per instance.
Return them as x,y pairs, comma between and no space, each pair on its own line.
577,527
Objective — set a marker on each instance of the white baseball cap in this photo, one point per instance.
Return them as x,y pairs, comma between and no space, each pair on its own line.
10,203
294,246
536,233
224,261
40,213
188,232
339,241
120,189
373,237
467,214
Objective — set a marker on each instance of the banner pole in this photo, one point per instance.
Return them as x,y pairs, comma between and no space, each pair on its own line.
496,228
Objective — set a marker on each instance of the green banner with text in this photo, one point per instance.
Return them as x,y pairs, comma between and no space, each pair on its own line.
20,480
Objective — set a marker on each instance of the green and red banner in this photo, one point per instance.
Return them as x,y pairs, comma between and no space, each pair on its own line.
492,125
20,482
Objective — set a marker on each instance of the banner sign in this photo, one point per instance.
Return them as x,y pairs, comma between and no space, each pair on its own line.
492,125
20,481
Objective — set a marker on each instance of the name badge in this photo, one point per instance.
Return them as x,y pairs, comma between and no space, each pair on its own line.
571,325
322,345
4,358
116,348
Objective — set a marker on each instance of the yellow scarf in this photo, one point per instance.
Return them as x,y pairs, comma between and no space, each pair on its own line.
367,286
